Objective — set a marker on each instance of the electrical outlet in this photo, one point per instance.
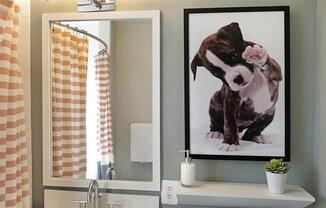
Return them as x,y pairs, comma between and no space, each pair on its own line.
168,193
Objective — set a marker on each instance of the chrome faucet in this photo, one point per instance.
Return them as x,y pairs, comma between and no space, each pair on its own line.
92,194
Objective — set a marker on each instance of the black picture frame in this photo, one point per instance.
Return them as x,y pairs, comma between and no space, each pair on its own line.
286,79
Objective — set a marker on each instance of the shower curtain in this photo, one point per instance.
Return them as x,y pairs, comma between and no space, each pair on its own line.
104,117
69,56
14,171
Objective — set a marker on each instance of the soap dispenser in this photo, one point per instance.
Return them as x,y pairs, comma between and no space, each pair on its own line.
188,172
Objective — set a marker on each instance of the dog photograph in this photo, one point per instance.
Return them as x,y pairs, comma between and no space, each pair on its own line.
237,85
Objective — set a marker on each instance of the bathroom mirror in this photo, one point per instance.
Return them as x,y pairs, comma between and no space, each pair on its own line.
101,99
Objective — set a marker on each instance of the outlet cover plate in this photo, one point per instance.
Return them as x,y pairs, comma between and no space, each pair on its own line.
168,192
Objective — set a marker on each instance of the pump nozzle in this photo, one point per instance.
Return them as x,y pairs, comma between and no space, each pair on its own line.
188,158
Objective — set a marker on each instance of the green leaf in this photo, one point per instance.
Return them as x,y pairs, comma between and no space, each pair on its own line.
277,166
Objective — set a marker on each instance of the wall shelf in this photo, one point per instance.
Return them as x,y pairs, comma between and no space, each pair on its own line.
242,195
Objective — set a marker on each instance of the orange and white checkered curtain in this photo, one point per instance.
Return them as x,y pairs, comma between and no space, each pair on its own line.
104,114
14,171
69,55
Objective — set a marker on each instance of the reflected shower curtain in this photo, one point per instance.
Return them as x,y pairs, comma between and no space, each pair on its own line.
14,171
104,114
69,69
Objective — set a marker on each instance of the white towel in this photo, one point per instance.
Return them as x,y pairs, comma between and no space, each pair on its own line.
141,140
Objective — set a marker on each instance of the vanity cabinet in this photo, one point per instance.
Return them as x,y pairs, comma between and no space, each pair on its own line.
64,199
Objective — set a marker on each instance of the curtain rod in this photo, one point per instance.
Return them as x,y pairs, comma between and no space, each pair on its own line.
83,32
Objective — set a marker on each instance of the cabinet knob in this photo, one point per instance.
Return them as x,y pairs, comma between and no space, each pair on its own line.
82,204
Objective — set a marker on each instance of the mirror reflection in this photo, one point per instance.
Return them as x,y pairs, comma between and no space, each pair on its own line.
101,74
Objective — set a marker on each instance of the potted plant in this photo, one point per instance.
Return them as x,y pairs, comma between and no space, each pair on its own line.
276,172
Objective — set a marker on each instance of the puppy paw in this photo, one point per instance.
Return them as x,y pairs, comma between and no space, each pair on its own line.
214,135
255,55
261,139
229,147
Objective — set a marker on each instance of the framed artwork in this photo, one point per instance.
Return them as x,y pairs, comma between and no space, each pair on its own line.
237,83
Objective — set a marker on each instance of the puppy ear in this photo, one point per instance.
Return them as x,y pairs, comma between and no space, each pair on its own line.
231,33
194,63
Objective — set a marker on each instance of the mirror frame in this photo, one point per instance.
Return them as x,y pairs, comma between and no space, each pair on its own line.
48,180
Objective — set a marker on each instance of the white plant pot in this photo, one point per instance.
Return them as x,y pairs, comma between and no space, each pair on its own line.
276,182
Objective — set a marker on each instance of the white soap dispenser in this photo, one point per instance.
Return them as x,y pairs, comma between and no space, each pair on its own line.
188,172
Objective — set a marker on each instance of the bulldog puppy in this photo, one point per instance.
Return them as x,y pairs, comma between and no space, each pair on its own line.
247,98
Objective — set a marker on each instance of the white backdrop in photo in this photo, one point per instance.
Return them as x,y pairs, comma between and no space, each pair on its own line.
263,28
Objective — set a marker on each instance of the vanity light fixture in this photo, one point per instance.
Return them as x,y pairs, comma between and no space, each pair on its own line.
95,5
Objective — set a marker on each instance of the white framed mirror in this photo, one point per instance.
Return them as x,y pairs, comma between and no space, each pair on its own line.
101,99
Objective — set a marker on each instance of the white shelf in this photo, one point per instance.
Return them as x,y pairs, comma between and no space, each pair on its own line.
242,195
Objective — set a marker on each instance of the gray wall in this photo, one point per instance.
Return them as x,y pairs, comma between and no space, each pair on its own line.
306,171
320,142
